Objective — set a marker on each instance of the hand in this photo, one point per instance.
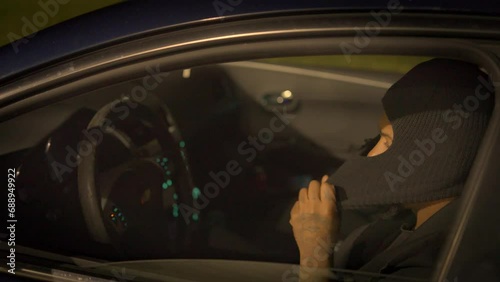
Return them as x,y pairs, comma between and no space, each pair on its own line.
314,218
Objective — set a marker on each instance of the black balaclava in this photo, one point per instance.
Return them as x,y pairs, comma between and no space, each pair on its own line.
439,112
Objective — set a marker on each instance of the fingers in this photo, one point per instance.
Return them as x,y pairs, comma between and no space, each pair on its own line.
303,195
327,190
317,191
324,179
313,192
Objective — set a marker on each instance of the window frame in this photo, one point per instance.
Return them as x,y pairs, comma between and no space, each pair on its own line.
265,38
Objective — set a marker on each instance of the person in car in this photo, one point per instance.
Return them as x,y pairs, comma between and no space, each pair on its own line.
435,117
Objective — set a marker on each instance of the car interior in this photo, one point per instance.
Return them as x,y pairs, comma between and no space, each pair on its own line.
206,164
217,110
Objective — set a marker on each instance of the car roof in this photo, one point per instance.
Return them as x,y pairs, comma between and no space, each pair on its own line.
133,18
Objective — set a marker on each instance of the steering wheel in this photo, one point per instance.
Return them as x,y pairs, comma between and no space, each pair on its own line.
134,205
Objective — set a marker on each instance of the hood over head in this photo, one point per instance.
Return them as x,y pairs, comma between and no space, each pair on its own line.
439,112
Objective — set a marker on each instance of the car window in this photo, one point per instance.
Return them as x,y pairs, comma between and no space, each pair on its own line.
198,163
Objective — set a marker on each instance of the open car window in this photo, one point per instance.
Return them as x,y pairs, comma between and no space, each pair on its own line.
161,174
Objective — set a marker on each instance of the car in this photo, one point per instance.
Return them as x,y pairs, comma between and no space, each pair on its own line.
154,141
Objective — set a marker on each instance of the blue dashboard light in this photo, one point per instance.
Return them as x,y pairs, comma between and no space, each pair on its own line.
195,216
169,182
164,185
182,144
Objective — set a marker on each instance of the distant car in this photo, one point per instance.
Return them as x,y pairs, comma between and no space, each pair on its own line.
157,142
